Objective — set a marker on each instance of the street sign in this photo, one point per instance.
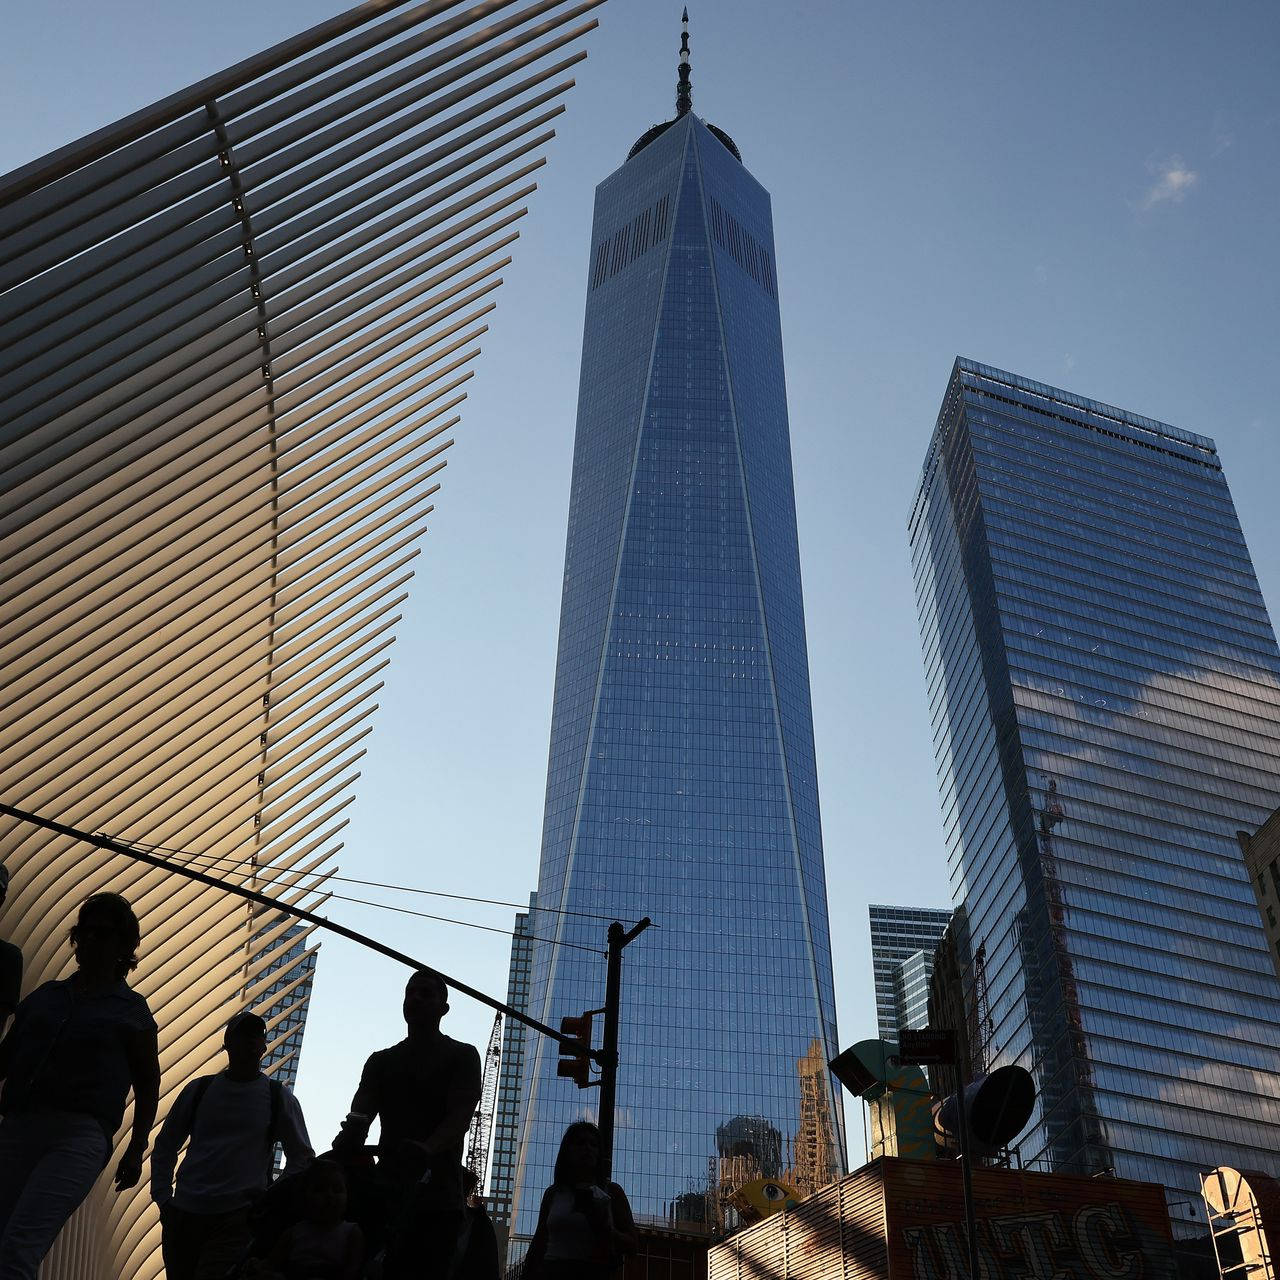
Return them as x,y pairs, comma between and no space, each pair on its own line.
931,1047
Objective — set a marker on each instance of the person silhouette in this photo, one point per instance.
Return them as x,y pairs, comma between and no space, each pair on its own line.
476,1256
585,1228
10,964
231,1123
424,1090
75,1049
324,1245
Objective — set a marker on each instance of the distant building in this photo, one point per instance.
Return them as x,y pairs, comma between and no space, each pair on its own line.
506,1125
1262,858
285,1001
903,940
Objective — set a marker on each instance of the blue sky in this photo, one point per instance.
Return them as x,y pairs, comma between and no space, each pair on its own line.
1087,195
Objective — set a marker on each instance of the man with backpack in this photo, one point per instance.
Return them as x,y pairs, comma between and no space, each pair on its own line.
231,1123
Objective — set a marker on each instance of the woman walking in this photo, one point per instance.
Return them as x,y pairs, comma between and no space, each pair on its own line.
74,1051
585,1227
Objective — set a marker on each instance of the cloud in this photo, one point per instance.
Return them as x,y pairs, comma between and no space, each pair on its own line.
1173,180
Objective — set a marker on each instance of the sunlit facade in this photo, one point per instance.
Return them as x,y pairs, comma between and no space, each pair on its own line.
1105,691
235,331
681,782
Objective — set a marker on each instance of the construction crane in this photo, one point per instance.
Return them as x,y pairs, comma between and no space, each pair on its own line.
981,1051
482,1121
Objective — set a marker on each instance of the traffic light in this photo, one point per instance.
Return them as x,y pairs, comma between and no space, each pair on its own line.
574,1062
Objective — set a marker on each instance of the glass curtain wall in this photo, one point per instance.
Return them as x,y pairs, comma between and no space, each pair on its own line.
681,781
1105,687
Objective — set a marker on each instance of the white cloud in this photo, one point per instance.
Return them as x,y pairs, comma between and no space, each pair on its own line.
1173,180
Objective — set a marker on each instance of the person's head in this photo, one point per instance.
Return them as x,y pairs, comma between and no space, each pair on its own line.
324,1191
4,882
245,1041
426,1000
578,1159
106,935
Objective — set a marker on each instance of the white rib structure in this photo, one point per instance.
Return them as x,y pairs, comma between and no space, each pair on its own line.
235,331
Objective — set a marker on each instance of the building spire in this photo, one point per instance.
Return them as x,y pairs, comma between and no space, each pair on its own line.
684,91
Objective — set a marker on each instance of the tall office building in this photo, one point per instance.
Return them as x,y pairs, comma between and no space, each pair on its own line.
286,999
903,942
1105,689
506,1124
681,782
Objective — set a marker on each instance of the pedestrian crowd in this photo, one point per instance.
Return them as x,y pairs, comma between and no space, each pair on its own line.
404,1208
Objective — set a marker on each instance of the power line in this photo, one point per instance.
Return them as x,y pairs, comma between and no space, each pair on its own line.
371,884
387,906
301,913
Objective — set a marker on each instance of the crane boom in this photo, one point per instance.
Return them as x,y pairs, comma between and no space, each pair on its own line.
482,1121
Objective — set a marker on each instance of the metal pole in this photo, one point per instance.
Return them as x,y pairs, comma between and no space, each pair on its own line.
263,900
966,1157
608,1054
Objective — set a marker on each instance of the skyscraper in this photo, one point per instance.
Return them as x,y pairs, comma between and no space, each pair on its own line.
506,1127
1105,689
681,781
903,940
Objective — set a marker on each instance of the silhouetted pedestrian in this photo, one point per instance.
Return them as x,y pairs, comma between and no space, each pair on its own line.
477,1252
324,1245
233,1121
424,1090
585,1228
10,964
75,1049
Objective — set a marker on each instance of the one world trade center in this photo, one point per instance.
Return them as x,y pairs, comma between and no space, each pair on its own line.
681,782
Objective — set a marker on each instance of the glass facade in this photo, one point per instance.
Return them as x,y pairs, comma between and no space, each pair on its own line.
681,781
1105,688
506,1124
293,965
903,942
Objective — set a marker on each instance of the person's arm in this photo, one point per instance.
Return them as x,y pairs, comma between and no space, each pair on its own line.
173,1133
143,1054
354,1130
460,1104
9,1045
625,1239
293,1134
10,981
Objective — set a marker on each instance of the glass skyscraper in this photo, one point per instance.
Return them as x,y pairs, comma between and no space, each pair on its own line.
681,781
1105,691
903,942
506,1121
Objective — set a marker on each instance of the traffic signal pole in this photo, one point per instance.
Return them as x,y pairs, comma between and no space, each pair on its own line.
265,900
608,1058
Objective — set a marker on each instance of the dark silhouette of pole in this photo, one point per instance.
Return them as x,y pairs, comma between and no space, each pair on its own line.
966,1154
263,900
608,1053
966,1177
